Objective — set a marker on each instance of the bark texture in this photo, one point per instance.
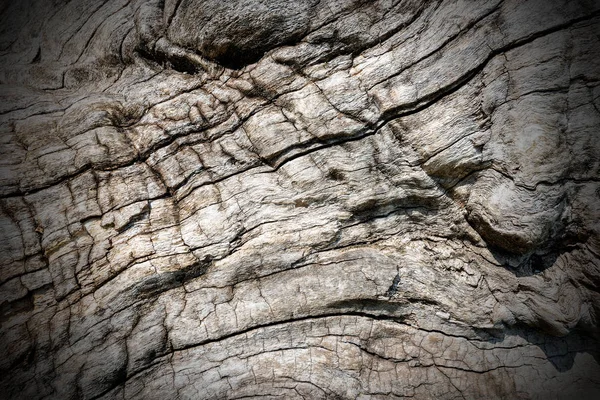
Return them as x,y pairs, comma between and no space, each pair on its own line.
318,199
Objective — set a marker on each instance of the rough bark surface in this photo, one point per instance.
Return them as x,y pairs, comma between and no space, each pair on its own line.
299,199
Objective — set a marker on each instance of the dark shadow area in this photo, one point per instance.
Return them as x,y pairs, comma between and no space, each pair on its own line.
177,63
525,265
160,283
560,351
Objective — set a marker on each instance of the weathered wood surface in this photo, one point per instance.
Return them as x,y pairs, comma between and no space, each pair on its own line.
299,199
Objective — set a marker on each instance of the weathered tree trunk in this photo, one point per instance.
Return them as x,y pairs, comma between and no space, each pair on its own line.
299,199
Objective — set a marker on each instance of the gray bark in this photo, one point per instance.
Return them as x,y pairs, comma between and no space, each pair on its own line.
299,199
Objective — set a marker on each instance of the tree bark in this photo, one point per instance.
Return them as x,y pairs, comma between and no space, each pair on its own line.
299,199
